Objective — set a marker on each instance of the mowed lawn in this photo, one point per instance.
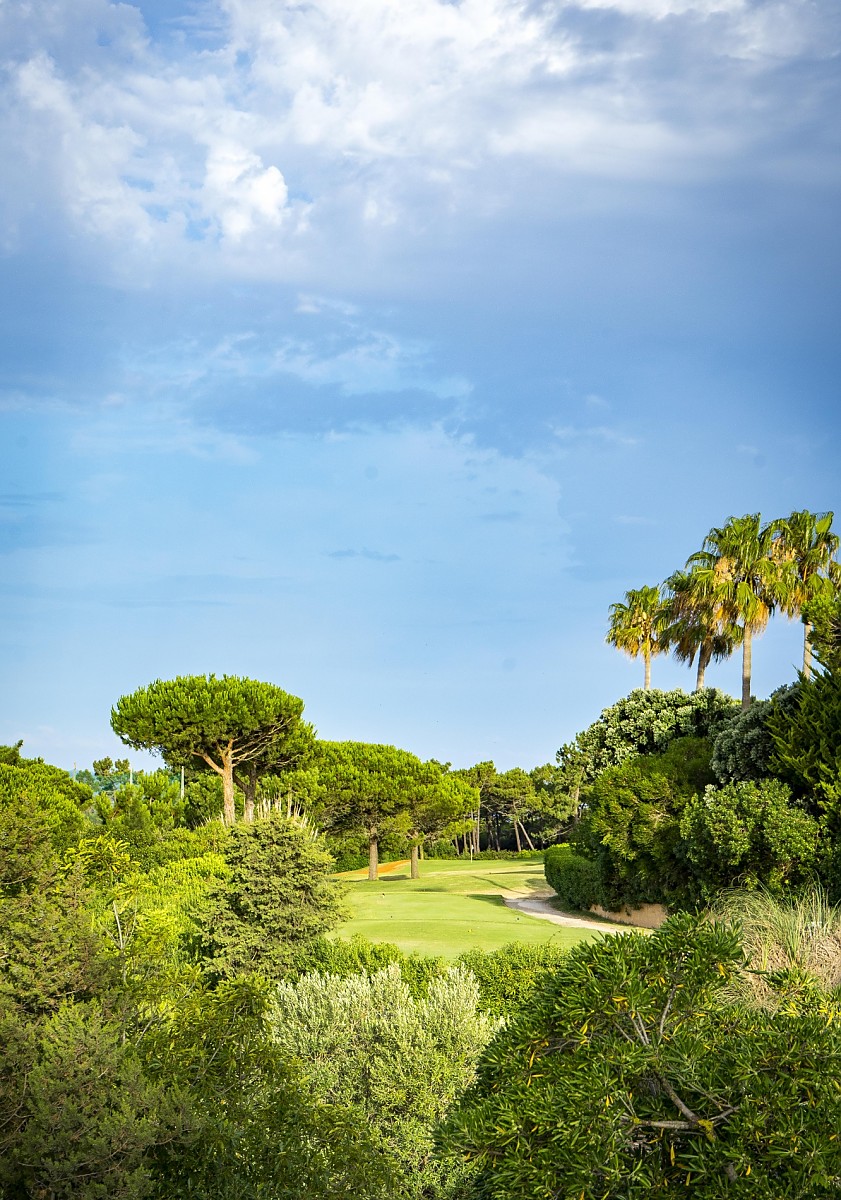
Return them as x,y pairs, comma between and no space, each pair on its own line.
454,906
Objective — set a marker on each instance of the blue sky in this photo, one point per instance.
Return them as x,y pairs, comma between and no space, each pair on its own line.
374,348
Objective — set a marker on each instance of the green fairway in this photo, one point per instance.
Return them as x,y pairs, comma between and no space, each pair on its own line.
455,906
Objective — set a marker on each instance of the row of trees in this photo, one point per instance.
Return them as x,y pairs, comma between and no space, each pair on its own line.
745,571
252,738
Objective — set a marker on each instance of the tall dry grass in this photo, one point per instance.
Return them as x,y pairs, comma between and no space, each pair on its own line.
798,934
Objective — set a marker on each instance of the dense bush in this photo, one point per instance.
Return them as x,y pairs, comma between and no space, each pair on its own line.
358,956
643,722
631,825
573,877
279,895
629,1074
807,743
507,977
744,748
368,1044
60,800
749,833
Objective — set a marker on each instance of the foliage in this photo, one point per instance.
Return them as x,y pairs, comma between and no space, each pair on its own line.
628,1075
359,956
219,724
635,625
805,545
509,976
824,615
738,573
48,949
371,789
365,1042
642,723
10,756
748,832
743,748
87,1114
694,624
250,1129
279,894
807,742
631,827
53,792
573,878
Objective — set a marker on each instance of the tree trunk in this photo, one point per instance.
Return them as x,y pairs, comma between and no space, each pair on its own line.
807,650
517,835
526,836
476,837
373,856
229,813
747,664
415,872
647,685
703,663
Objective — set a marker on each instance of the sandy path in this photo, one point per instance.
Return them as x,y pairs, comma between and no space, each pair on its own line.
539,906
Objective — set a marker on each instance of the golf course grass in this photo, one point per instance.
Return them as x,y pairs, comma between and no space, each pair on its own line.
455,906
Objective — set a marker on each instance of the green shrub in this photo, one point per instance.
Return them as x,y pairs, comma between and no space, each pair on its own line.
359,956
643,722
368,1045
442,848
629,1075
749,833
507,977
574,878
631,826
509,855
744,748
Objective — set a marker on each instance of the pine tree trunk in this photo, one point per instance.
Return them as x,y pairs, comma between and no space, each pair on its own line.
415,872
526,836
229,813
373,856
517,835
747,664
807,650
647,685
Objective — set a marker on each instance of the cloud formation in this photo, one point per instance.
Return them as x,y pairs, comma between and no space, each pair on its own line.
278,130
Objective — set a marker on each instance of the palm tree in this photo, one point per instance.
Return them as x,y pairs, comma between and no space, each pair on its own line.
738,574
693,624
635,624
805,545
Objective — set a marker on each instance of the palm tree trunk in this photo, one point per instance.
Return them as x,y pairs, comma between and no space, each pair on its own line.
747,664
807,650
647,685
703,662
415,872
373,855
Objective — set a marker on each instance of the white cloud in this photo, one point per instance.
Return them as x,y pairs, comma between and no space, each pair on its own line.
290,128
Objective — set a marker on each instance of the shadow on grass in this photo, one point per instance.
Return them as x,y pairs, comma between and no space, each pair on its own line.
497,900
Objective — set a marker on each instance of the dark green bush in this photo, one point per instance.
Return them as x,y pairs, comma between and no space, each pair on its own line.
574,878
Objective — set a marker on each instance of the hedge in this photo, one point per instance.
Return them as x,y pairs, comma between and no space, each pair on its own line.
573,878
